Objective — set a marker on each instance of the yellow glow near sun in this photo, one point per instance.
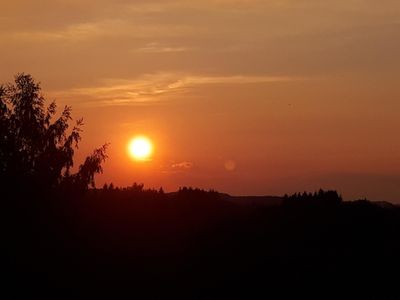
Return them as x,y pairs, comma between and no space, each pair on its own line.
140,148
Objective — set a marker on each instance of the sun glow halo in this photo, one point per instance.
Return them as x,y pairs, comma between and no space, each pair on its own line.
140,148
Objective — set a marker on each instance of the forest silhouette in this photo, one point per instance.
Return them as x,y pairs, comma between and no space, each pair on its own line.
65,238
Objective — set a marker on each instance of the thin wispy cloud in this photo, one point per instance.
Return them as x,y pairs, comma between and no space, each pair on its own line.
105,29
73,33
158,48
184,165
149,88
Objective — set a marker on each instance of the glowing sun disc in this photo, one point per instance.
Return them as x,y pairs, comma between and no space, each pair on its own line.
140,148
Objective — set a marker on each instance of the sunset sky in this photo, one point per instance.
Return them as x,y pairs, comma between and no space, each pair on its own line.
249,97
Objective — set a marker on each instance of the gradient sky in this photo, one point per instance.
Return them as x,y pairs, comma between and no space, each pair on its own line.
246,97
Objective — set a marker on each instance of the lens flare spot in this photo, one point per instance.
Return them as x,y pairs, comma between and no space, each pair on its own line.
230,165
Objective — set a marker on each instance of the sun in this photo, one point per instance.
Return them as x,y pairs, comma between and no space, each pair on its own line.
140,148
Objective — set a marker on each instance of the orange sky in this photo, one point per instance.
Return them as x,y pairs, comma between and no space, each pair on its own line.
246,97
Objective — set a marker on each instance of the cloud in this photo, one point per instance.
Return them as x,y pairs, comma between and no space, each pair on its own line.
113,28
150,87
233,20
177,167
72,33
157,48
185,165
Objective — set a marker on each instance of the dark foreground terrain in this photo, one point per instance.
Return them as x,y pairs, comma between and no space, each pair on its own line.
193,244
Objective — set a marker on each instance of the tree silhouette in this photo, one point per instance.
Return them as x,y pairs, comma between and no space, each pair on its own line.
37,149
321,198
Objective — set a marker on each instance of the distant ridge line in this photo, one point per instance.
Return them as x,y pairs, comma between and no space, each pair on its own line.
253,200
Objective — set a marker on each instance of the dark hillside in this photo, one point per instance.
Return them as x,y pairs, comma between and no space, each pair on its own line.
193,244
